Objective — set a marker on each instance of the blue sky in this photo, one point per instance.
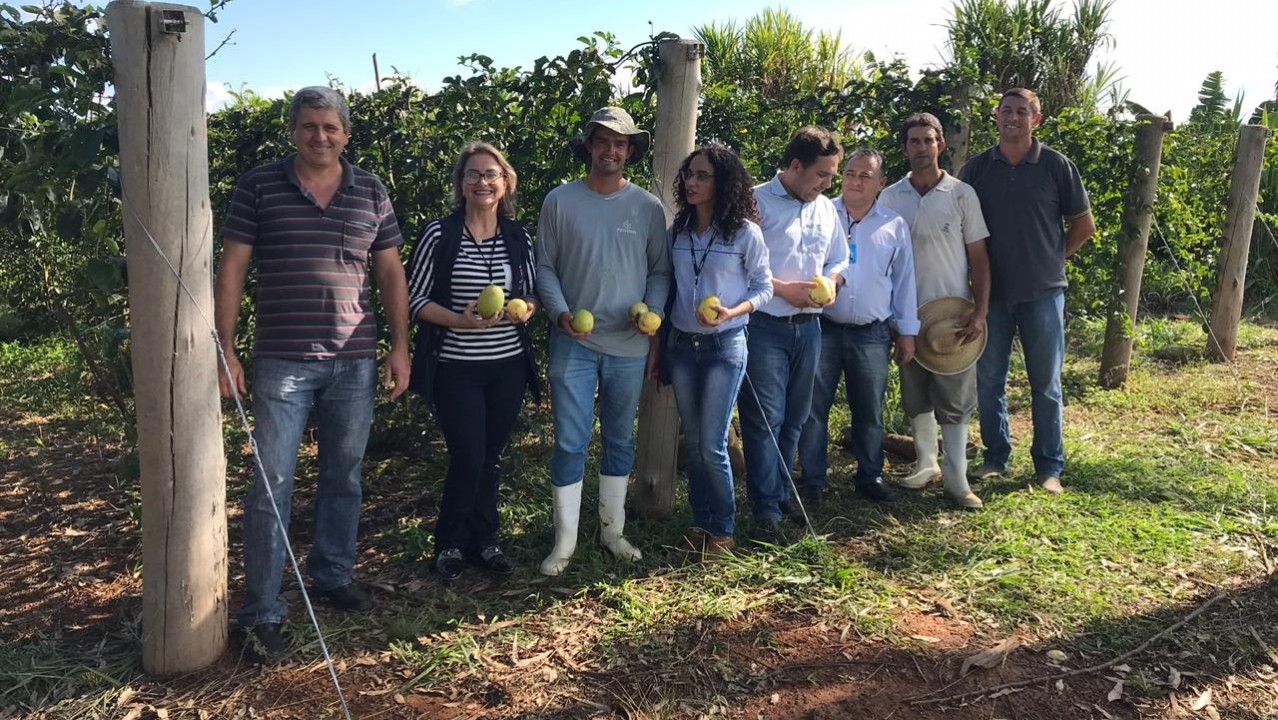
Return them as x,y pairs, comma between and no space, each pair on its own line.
1163,47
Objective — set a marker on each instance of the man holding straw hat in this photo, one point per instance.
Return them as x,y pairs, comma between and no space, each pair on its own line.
953,281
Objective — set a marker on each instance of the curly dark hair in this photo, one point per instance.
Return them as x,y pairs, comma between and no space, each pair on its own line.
733,191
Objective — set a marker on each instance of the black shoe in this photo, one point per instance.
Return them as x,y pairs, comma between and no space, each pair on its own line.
811,497
346,598
494,561
790,509
876,490
265,643
450,563
768,532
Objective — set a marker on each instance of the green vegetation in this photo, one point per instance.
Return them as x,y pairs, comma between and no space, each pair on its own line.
1171,479
1171,486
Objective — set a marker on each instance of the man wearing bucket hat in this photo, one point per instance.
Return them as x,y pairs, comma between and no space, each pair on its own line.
952,271
1038,214
601,247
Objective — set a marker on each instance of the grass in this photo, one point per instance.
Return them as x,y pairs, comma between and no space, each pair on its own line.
1171,488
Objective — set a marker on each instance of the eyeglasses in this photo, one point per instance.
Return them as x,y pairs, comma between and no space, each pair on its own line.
698,176
472,177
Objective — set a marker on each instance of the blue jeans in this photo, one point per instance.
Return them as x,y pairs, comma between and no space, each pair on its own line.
859,354
575,373
706,372
284,393
774,403
1041,325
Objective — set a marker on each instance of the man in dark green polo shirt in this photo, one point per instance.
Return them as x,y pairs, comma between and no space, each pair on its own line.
1038,215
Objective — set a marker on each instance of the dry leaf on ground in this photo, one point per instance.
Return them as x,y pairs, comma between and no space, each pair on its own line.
1116,693
993,657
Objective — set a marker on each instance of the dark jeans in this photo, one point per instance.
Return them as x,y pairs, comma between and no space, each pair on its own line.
476,404
773,404
860,355
1041,325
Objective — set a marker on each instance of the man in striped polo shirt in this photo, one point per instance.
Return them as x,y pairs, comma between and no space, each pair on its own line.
313,224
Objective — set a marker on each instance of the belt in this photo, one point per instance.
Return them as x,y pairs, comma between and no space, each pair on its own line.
795,319
706,341
849,326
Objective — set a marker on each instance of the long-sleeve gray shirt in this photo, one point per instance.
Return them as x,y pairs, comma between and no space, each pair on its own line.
603,253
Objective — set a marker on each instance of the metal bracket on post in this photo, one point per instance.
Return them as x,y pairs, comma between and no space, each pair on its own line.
696,51
172,22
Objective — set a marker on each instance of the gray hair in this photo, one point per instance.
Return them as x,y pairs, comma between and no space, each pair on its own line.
318,97
866,152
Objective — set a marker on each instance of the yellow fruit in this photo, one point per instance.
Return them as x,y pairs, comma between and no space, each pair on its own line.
638,309
491,300
582,321
824,290
517,308
649,322
706,309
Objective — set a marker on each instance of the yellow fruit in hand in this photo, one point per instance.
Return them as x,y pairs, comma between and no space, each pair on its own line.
706,310
582,321
491,300
638,309
823,293
517,308
649,322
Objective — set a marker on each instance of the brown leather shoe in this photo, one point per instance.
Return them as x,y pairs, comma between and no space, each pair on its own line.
719,547
694,541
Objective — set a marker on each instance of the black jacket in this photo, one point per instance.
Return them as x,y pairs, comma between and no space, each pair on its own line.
430,337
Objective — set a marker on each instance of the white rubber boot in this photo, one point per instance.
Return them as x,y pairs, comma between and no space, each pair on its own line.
567,503
926,469
612,517
954,467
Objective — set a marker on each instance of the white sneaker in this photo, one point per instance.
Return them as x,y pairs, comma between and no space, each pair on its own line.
1051,484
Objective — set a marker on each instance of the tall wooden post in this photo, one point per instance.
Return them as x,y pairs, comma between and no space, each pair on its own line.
958,133
1133,243
1240,215
158,53
657,447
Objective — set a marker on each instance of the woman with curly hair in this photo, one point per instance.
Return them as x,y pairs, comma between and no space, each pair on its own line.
721,275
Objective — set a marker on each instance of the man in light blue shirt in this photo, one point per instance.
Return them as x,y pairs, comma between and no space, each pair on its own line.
878,298
805,239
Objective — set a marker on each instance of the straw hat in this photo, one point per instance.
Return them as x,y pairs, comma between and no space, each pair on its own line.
938,348
619,121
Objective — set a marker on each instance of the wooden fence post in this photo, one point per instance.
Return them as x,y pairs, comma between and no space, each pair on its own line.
1240,215
958,133
657,446
158,53
1133,243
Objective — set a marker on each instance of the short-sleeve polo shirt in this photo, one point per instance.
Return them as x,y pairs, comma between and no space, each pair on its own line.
942,224
1025,207
313,293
